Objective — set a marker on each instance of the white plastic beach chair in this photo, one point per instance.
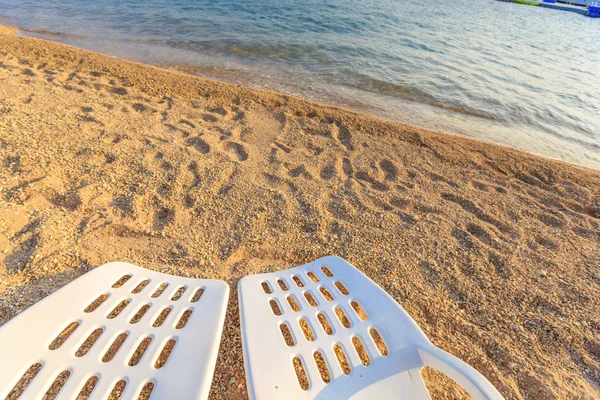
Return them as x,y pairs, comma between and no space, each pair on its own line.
325,331
119,309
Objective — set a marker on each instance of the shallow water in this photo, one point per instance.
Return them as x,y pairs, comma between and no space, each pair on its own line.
506,73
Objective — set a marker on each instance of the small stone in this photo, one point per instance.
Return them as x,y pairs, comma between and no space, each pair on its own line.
511,365
232,380
542,273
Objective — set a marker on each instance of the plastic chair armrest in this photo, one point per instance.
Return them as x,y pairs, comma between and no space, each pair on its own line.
460,372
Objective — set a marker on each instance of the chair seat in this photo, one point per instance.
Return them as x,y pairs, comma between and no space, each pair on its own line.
326,331
118,329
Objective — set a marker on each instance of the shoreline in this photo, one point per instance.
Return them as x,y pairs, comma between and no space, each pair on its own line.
492,250
439,119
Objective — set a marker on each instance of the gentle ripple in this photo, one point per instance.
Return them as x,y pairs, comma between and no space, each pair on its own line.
506,73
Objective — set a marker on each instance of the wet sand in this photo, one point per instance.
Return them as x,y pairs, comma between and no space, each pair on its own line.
494,252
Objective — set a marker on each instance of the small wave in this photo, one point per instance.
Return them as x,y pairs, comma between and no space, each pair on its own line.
248,50
53,33
412,93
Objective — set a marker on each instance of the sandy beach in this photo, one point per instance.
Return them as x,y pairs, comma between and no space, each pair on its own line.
494,252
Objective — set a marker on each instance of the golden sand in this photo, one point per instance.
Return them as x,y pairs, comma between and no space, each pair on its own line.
494,252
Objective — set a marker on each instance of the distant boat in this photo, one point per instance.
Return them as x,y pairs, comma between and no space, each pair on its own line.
590,8
583,3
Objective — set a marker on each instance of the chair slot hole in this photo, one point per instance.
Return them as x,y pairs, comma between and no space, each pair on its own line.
139,352
162,317
117,310
121,281
160,289
283,285
165,353
89,342
343,290
57,385
312,277
197,294
306,330
275,307
288,338
340,354
118,390
138,315
298,281
88,388
342,317
378,340
183,320
361,351
63,336
327,271
266,288
362,314
146,391
322,367
300,373
177,295
96,303
141,286
310,299
114,347
325,323
293,303
326,294
24,382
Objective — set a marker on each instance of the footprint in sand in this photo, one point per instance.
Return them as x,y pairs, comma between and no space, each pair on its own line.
210,118
478,185
546,242
238,115
197,143
121,91
28,72
552,220
300,170
347,167
139,107
13,163
375,184
500,264
188,123
162,217
439,178
476,211
328,172
390,172
344,136
72,88
195,175
282,147
237,150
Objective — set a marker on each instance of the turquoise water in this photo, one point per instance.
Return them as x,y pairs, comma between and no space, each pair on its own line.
521,76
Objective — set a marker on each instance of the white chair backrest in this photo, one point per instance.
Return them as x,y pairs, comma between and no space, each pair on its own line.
117,328
326,331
